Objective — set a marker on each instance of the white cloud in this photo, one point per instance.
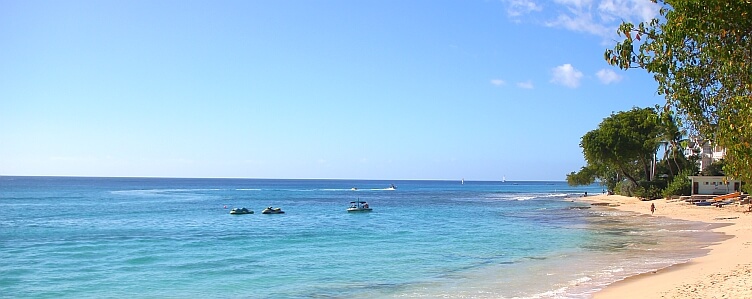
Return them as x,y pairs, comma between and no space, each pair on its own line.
498,82
516,8
578,3
566,75
526,85
634,10
581,22
608,76
600,18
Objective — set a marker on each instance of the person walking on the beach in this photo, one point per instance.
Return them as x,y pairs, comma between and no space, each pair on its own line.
652,208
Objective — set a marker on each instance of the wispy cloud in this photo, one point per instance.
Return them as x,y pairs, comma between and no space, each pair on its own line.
636,10
498,82
580,21
526,85
607,76
517,8
566,75
594,17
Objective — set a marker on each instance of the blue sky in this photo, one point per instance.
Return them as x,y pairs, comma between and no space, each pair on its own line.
470,89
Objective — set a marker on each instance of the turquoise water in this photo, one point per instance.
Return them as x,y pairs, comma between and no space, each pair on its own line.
175,238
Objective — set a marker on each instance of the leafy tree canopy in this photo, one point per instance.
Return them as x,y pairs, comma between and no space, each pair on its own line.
700,53
623,145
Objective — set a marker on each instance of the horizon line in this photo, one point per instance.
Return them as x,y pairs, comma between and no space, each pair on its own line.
258,178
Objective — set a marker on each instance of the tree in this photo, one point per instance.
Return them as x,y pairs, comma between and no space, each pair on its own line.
715,168
671,137
589,174
700,53
624,143
675,163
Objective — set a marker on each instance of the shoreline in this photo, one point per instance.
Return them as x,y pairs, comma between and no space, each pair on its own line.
726,270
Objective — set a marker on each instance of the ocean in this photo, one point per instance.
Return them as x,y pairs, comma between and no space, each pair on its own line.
78,237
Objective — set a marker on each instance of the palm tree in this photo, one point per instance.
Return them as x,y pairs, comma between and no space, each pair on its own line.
670,138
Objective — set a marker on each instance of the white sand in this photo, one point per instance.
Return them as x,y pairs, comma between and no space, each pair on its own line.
726,272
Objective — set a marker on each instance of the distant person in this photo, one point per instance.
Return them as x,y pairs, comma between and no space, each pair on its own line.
652,208
585,193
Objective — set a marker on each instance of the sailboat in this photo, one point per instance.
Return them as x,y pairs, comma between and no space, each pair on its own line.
463,181
503,179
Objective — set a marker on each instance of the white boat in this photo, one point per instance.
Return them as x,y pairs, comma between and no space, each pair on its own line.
271,210
359,206
240,211
392,187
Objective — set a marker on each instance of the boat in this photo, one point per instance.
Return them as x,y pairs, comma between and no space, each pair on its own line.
271,210
354,189
240,211
359,206
392,187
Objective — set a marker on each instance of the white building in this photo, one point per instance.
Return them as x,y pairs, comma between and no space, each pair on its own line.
714,185
707,151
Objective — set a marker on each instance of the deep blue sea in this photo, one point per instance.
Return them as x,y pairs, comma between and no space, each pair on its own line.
75,237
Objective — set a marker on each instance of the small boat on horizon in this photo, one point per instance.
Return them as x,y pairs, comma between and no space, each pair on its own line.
392,187
359,206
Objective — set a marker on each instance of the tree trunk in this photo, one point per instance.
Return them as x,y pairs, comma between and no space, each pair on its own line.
626,174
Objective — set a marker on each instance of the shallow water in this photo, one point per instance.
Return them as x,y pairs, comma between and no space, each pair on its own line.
175,238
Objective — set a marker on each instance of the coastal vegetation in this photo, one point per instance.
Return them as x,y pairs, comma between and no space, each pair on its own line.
622,154
700,54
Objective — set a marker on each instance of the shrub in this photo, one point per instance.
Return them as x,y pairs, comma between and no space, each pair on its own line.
680,185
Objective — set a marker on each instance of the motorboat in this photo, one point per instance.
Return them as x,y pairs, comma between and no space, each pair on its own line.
392,187
240,211
359,206
271,210
354,189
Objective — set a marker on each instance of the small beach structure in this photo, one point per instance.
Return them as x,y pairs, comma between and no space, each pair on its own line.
714,190
359,206
714,185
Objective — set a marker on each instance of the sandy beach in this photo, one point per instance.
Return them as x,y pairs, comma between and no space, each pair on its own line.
725,272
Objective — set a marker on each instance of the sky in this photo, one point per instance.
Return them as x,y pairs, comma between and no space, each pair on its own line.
368,89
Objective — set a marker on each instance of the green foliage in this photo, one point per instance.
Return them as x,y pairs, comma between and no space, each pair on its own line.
626,188
620,152
670,136
585,176
700,54
648,190
674,162
624,143
589,174
680,185
715,168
